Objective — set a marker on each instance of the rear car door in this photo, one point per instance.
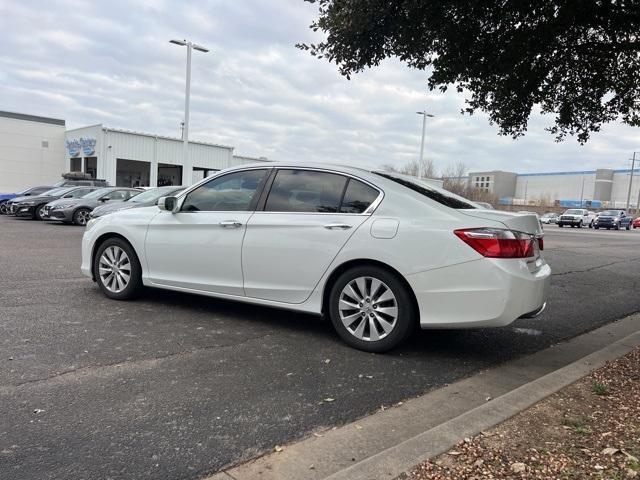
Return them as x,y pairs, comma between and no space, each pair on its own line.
307,217
199,247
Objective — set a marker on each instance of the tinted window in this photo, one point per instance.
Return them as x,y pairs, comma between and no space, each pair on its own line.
305,191
439,195
79,192
229,193
39,190
118,195
358,197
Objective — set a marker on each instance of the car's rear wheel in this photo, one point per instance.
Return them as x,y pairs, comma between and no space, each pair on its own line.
38,212
371,309
117,269
81,216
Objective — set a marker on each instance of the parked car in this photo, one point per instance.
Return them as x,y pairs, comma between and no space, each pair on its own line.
6,199
147,198
549,217
577,217
33,207
615,219
636,223
377,252
77,210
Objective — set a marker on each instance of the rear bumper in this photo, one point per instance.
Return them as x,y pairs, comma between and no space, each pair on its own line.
481,293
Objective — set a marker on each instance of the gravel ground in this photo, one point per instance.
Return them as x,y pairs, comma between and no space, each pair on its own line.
590,429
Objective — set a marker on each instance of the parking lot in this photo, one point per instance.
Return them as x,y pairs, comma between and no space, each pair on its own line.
177,386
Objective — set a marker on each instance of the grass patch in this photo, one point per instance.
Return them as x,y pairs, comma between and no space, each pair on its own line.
598,388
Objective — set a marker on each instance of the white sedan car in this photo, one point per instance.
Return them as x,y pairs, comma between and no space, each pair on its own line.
377,252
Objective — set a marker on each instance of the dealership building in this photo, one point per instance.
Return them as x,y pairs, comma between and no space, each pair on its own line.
37,150
607,188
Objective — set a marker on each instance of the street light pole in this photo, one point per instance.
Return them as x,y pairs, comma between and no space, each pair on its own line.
582,193
424,128
187,168
633,164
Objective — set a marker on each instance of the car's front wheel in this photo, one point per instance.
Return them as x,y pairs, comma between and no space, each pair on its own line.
38,212
117,269
81,216
371,309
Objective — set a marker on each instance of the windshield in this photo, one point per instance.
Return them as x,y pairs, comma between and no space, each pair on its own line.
440,195
573,212
152,195
98,193
609,213
54,191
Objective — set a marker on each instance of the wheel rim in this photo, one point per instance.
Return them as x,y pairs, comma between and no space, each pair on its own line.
114,269
368,309
83,217
41,212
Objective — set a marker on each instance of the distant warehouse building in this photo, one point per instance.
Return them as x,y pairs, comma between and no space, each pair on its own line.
31,151
588,188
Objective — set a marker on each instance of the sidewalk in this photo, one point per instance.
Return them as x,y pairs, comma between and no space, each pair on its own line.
590,429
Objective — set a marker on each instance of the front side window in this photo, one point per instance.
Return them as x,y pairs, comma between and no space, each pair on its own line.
305,191
229,193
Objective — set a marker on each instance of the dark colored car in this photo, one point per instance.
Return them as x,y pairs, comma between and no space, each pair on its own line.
147,198
77,210
6,199
33,207
615,219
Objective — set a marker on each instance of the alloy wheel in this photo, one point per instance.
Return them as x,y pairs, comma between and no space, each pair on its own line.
82,217
368,309
114,269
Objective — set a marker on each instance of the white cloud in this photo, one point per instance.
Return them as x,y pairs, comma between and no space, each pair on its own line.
110,62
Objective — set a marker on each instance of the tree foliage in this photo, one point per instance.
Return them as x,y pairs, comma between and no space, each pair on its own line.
578,60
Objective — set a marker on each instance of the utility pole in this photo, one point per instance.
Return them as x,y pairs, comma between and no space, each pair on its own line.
424,128
633,164
187,168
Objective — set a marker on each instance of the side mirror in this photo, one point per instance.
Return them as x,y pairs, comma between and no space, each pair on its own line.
104,199
168,203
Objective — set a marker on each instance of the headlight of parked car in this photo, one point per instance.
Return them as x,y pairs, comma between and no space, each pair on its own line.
62,207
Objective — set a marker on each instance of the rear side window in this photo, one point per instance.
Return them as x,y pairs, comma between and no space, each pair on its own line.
357,197
305,191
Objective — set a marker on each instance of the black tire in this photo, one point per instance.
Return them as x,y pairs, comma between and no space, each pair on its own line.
406,314
628,227
81,216
617,227
134,287
561,225
37,214
596,227
580,224
3,207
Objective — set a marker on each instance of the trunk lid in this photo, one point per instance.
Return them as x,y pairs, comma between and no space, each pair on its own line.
521,222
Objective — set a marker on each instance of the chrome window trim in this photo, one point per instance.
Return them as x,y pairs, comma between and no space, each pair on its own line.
368,212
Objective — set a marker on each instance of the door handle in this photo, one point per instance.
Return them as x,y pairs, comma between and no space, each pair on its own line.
230,224
337,226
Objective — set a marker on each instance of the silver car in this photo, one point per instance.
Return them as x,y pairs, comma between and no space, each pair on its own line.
77,210
147,198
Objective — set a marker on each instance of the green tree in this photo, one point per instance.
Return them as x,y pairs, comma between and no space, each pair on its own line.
578,60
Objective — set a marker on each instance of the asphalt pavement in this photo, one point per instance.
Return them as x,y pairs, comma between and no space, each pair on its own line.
178,386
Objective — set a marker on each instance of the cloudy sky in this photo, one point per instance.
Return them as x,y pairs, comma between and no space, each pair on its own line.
110,62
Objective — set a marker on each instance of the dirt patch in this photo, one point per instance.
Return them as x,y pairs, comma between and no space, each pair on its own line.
590,429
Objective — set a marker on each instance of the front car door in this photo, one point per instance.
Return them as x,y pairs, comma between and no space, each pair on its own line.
306,218
199,246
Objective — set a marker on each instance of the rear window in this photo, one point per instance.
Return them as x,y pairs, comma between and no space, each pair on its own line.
441,196
305,191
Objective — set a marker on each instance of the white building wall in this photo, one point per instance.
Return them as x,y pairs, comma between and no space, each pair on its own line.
112,144
620,188
560,186
24,161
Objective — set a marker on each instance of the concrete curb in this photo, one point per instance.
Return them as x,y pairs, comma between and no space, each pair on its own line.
387,443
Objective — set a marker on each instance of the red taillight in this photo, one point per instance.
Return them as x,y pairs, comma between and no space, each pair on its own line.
498,243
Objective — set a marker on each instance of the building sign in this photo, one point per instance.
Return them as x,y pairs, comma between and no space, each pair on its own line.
86,145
